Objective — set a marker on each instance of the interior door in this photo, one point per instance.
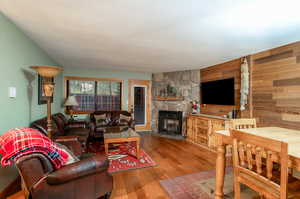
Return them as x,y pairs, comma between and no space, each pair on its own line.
140,103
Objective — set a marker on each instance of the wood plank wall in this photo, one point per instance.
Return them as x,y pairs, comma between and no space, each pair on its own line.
222,71
276,86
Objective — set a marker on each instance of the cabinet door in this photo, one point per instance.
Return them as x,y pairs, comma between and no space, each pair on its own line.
203,127
216,125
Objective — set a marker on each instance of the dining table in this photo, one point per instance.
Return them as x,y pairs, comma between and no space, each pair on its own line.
224,138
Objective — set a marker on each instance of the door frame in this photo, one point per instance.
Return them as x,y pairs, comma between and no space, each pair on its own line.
145,100
143,83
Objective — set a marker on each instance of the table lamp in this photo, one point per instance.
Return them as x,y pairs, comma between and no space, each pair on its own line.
70,103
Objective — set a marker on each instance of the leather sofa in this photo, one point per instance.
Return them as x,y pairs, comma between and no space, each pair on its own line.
112,119
85,179
61,128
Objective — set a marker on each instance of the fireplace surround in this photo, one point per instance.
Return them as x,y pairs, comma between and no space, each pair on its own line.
170,122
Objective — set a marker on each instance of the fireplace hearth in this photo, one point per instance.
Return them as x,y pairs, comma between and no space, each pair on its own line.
170,122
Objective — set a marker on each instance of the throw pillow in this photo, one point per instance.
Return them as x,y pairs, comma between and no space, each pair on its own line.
101,120
124,117
124,120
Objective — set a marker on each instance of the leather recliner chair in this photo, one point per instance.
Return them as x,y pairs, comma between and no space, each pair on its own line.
85,179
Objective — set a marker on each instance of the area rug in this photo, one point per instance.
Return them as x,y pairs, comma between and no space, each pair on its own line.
122,157
201,185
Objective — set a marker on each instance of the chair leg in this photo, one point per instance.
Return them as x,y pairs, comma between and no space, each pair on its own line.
237,190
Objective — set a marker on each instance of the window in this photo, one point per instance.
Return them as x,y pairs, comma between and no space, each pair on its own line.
95,94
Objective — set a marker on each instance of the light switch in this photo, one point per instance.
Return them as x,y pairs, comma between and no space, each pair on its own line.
12,92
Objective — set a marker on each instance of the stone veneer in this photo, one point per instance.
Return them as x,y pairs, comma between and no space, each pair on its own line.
187,84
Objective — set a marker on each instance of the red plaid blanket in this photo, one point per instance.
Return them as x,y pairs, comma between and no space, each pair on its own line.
18,142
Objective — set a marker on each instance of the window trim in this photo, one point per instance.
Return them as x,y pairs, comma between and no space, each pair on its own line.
66,78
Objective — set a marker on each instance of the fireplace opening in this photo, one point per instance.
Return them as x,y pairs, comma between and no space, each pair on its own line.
170,122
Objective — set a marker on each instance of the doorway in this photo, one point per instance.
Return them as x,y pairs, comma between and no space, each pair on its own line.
140,103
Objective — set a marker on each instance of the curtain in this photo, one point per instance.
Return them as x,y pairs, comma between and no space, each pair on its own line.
96,95
108,95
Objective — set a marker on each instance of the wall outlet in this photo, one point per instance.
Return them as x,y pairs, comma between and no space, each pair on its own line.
12,92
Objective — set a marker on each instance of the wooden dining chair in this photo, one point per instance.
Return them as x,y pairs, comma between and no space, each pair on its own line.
243,123
249,152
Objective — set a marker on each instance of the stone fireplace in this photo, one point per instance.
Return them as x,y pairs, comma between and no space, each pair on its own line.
187,88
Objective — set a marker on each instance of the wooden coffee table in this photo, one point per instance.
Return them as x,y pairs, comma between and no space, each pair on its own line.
118,135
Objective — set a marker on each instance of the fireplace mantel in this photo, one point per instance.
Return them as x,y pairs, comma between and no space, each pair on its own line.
170,98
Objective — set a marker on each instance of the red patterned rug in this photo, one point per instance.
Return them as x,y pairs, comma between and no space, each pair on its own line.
201,185
122,157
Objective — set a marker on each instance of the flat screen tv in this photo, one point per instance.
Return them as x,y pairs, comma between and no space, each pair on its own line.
220,92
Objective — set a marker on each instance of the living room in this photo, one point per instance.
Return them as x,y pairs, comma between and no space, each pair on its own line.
149,99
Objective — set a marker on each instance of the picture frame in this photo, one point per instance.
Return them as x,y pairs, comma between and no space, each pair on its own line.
42,99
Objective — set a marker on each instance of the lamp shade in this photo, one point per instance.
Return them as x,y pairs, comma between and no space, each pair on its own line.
47,71
71,101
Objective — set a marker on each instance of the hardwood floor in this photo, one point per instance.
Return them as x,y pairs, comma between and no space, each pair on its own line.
174,158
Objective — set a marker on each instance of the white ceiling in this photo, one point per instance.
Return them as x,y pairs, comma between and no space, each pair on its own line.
154,35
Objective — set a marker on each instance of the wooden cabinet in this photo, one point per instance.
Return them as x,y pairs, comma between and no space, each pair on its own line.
201,129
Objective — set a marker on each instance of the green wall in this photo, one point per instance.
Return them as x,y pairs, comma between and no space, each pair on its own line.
99,73
18,52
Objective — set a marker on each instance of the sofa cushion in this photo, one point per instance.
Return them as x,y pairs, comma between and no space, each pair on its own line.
60,123
81,133
77,131
41,125
62,117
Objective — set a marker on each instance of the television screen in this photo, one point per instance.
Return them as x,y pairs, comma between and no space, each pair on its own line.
220,92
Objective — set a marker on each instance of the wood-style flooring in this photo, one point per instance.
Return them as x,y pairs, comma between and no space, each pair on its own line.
174,158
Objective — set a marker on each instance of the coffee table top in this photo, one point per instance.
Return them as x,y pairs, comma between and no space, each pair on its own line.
122,133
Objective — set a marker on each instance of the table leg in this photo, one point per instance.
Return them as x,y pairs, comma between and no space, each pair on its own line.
106,148
220,171
138,149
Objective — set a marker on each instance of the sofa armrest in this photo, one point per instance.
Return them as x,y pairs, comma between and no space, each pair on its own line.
88,166
132,124
71,142
65,138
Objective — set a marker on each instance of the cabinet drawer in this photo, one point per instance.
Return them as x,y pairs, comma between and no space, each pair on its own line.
202,131
202,123
201,140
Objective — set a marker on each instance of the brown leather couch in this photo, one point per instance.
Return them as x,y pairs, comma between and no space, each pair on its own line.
112,120
85,179
61,128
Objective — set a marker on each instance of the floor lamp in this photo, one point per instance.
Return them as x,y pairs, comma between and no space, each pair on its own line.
48,72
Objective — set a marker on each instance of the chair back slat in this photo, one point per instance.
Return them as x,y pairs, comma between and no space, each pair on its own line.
258,160
242,154
249,156
249,153
269,164
243,123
